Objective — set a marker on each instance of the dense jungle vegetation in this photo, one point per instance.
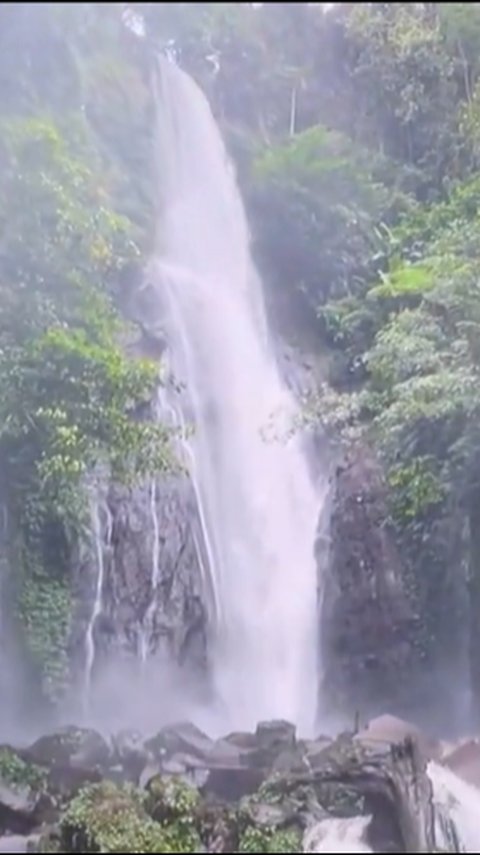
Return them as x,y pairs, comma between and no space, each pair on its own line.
356,134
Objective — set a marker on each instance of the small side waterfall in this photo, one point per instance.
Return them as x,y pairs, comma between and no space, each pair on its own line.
146,633
256,500
100,541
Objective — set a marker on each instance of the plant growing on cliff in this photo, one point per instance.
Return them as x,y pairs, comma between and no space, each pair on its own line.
110,818
71,399
18,773
270,840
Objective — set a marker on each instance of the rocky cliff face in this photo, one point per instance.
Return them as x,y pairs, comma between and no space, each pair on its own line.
371,625
395,611
143,617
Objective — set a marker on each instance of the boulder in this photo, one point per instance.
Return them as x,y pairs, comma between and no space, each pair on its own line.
22,808
71,746
241,740
387,782
464,760
130,753
390,729
231,784
182,738
64,782
275,746
274,735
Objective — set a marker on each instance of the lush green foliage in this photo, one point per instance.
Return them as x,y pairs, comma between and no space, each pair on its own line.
110,818
270,840
18,773
71,236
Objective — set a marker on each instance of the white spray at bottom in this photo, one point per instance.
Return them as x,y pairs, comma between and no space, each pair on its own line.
459,802
338,835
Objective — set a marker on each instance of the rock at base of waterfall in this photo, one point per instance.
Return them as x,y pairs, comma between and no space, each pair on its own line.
196,795
184,738
370,623
130,753
22,808
464,760
390,729
71,746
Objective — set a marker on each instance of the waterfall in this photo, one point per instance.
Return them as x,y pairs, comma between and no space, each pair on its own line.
338,835
257,504
95,510
457,809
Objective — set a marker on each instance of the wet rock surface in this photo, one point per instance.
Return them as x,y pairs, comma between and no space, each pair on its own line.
371,630
179,791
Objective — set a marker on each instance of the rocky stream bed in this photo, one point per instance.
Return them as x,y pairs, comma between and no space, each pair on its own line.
179,791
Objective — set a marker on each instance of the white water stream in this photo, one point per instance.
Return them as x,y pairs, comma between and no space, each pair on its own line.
458,801
146,633
338,835
257,503
96,509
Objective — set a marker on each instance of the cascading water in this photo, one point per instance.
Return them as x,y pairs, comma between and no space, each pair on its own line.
257,503
95,511
145,636
457,806
338,835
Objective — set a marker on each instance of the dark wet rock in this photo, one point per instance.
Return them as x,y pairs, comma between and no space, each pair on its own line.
71,746
183,738
390,729
178,621
190,769
274,735
22,808
275,748
231,784
314,752
65,781
224,754
130,753
372,633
